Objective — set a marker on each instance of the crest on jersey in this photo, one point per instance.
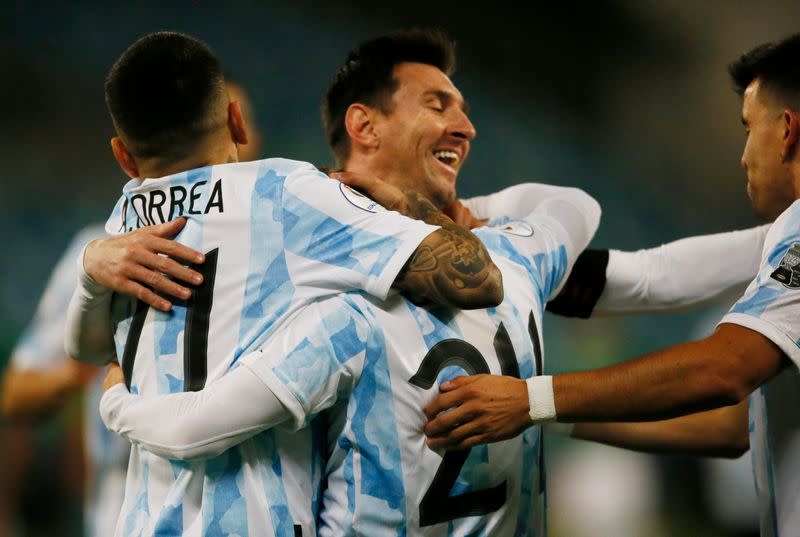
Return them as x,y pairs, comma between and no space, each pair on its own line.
517,227
788,272
358,199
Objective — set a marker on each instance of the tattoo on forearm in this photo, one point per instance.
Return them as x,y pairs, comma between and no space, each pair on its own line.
451,266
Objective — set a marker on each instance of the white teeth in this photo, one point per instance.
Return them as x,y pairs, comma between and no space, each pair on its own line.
448,157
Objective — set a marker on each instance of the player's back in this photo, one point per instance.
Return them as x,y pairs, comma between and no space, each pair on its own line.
382,478
269,249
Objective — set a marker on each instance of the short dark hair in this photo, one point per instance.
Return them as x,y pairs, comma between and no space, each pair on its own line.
366,77
162,93
777,65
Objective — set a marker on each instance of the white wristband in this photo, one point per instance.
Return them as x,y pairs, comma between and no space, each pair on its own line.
541,400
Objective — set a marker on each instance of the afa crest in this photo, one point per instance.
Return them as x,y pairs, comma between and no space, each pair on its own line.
358,199
788,272
517,227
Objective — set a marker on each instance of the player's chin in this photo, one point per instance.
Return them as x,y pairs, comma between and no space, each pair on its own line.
444,191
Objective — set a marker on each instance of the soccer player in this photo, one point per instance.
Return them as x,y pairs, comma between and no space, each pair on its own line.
411,82
381,360
754,350
276,234
41,376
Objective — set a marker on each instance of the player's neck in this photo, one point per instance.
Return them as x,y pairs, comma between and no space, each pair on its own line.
372,168
216,151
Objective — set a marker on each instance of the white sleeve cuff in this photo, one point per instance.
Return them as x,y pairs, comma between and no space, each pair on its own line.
89,334
541,399
769,331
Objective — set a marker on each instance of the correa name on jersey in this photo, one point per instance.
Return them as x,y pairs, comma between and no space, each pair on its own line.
286,238
164,205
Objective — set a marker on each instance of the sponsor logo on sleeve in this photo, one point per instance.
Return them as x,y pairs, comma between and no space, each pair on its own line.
788,272
358,199
517,227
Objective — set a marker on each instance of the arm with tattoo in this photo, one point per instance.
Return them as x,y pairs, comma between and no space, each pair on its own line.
451,266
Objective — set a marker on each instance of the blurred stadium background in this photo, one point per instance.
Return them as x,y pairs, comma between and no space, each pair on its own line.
628,100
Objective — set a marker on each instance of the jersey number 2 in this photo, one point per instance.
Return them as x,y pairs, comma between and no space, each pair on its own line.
195,334
438,505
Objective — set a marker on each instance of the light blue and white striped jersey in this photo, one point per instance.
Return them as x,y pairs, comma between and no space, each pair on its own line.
771,306
277,234
42,348
379,362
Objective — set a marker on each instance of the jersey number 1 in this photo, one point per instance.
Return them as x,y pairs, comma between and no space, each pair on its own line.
195,334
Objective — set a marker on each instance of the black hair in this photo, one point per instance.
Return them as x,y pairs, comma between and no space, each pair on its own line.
163,94
366,77
776,65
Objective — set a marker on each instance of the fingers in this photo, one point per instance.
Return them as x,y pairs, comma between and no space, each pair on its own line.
167,229
458,382
445,422
150,257
154,282
451,396
131,288
144,263
463,436
442,402
157,244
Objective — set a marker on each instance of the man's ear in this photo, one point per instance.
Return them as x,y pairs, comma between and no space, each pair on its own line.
124,157
359,122
236,123
790,134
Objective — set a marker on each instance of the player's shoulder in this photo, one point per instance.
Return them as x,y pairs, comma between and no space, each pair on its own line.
788,223
275,166
785,231
270,176
510,238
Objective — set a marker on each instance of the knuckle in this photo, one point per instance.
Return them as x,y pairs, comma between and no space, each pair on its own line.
163,264
154,278
142,294
128,251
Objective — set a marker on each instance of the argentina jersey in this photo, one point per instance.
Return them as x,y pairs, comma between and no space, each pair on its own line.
771,306
276,234
375,364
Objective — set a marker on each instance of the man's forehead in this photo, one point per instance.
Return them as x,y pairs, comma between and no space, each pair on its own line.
750,99
424,78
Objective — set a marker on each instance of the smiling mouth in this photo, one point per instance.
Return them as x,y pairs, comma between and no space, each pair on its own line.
450,158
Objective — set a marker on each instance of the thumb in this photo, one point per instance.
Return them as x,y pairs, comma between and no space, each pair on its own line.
457,382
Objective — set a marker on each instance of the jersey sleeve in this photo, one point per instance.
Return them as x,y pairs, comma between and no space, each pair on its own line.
194,425
317,358
314,360
681,273
42,343
517,201
771,303
337,238
548,240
